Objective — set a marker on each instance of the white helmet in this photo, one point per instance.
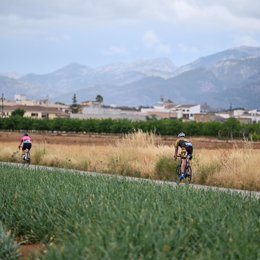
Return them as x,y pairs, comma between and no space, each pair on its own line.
181,134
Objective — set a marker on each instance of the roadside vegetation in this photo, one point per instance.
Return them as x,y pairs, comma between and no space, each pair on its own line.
8,245
138,154
97,217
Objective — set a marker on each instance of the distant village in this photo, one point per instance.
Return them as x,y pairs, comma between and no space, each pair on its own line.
95,109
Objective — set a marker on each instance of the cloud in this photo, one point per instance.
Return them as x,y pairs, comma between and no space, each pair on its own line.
151,41
246,40
102,11
185,29
243,8
52,17
115,50
58,39
187,49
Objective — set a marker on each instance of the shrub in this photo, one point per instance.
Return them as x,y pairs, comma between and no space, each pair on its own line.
38,155
255,137
119,165
206,171
165,168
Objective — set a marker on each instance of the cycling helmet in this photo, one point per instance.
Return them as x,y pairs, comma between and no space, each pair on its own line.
181,134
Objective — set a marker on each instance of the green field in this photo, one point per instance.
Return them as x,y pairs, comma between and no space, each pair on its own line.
95,217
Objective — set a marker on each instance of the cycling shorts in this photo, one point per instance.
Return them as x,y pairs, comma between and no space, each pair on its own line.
186,153
27,146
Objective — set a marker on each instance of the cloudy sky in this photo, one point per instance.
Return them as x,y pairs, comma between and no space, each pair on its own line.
44,35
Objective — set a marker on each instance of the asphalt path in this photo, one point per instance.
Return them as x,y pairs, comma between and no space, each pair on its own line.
245,193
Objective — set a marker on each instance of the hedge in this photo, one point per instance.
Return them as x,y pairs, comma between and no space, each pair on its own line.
228,129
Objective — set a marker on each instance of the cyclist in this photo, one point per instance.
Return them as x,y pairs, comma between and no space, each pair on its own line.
26,143
186,152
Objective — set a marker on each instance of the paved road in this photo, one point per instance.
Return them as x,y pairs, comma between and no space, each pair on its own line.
247,193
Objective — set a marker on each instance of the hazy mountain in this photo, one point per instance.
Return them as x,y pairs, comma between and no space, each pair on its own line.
10,86
76,76
207,62
220,79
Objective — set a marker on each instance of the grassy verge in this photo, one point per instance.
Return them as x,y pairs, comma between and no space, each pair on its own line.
8,245
86,217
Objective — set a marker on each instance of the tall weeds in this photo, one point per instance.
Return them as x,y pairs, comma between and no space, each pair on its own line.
139,155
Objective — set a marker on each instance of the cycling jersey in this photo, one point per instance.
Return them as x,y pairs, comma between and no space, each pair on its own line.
26,139
186,148
26,142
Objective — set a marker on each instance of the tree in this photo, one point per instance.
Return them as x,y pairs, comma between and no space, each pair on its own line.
231,126
18,112
99,98
74,106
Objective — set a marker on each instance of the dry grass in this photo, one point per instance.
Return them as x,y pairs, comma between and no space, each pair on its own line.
234,168
137,155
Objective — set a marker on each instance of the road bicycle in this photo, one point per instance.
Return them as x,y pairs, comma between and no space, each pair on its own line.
188,172
26,157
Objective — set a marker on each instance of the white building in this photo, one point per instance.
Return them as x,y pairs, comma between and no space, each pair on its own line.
100,112
251,115
176,111
188,111
244,116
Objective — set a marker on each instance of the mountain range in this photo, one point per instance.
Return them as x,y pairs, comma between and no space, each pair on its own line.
230,77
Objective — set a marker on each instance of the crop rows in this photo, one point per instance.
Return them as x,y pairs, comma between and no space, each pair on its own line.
96,217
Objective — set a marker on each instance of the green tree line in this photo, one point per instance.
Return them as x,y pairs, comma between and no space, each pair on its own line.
228,129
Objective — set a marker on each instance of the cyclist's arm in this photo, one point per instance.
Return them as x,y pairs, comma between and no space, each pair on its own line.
176,149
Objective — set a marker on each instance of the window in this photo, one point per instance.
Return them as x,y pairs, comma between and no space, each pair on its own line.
45,115
34,114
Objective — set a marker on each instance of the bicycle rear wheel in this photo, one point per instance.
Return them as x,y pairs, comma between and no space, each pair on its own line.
188,174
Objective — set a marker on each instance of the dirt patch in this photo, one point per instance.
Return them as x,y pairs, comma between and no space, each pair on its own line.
28,250
110,139
62,138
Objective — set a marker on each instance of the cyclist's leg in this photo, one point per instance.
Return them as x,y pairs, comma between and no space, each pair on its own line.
183,165
188,174
23,151
29,146
26,149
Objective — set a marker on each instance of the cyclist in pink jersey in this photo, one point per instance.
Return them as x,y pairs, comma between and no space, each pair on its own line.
26,142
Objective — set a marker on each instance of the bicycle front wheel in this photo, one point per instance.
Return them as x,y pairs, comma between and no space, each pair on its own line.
177,174
188,174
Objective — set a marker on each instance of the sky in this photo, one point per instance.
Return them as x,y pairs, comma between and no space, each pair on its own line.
42,36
